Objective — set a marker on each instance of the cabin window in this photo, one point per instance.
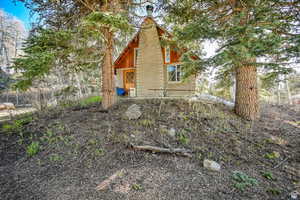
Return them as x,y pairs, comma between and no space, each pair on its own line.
136,53
174,73
167,54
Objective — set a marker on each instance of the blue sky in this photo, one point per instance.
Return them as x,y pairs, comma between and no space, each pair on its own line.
18,10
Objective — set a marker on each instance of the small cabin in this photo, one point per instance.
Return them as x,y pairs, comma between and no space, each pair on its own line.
146,68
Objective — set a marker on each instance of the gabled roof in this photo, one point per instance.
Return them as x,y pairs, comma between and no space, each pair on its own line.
127,47
136,36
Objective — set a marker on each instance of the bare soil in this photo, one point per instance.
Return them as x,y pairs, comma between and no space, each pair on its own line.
82,148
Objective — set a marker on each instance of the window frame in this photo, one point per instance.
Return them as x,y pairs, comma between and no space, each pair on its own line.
167,58
135,56
176,71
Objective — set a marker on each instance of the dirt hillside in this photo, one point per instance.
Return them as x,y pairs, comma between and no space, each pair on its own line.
83,153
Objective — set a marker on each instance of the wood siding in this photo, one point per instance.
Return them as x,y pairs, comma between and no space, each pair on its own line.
126,59
181,88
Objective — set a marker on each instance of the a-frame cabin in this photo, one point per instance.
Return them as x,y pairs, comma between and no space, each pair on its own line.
147,69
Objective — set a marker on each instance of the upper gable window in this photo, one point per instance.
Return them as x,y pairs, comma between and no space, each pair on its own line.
167,54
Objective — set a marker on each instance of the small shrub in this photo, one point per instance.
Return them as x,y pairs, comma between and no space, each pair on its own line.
67,103
17,125
99,152
272,155
7,128
137,187
243,181
23,121
268,175
90,100
273,191
183,138
147,122
33,149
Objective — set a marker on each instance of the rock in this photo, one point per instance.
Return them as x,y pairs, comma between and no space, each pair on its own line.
133,112
7,106
294,195
211,165
172,132
2,107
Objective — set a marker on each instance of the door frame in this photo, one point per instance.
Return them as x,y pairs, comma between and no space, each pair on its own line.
124,78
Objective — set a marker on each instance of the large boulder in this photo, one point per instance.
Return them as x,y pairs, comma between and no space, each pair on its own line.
133,112
211,165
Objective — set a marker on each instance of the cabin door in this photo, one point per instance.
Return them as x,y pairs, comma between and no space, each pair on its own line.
129,79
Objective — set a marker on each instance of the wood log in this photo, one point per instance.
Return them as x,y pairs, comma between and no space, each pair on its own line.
7,106
178,151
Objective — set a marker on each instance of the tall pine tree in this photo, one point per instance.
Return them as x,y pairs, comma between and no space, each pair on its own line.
100,18
251,33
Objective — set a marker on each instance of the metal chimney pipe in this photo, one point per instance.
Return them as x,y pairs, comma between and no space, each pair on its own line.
149,9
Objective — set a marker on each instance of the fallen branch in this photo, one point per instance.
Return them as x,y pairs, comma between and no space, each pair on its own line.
291,123
182,152
104,184
276,166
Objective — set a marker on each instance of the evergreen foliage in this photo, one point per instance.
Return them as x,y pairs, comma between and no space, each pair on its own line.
250,34
260,33
69,37
42,50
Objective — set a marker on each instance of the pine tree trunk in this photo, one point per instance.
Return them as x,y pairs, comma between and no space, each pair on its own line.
233,89
108,84
80,95
246,96
278,94
288,91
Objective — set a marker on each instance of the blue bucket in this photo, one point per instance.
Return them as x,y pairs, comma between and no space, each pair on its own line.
120,91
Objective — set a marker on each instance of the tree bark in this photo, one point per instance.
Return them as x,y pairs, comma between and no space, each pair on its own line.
246,96
108,84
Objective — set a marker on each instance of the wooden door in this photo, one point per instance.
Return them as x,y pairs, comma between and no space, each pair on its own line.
129,79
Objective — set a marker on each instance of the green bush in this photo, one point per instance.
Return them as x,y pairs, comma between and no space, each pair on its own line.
273,155
7,128
183,137
136,186
90,100
33,149
268,175
17,125
243,181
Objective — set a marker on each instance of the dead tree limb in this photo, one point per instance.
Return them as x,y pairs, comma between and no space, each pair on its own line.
178,151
